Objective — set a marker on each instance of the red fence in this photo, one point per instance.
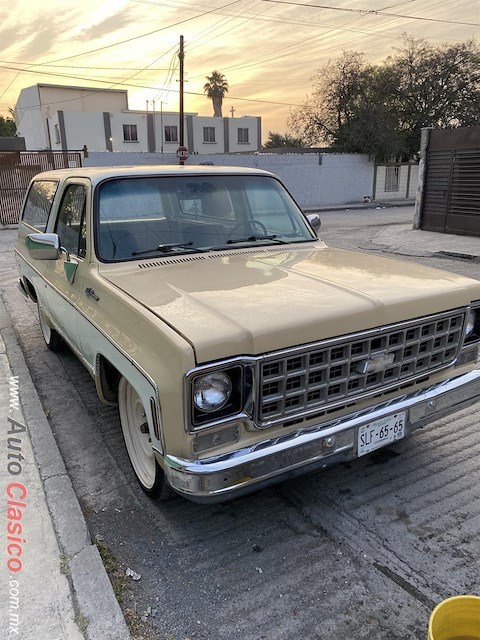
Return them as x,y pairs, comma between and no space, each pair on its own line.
17,168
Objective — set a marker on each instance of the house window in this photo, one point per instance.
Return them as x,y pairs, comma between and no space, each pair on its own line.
171,134
392,175
57,134
242,136
130,133
209,134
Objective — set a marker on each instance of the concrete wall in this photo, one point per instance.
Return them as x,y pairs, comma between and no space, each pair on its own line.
313,180
208,147
163,120
245,122
59,98
79,128
29,119
117,120
412,191
12,143
407,182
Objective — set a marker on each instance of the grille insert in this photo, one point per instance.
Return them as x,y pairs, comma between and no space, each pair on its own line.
304,381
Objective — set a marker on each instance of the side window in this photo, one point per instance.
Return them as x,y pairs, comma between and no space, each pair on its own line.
38,204
71,220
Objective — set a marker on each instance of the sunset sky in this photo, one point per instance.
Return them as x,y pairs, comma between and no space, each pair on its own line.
267,50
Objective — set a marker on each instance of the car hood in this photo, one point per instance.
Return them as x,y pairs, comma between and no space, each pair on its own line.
252,301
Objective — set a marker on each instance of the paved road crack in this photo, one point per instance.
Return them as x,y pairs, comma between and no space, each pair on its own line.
405,585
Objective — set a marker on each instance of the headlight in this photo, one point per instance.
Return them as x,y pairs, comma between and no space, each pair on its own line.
212,391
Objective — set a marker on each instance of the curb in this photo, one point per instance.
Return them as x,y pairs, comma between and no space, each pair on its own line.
92,592
457,255
387,204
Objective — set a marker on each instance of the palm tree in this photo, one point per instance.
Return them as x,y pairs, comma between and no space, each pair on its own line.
216,88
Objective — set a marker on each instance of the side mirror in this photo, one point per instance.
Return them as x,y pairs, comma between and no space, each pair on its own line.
314,220
43,246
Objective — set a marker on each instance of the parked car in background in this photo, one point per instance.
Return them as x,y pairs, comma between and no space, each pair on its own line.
239,348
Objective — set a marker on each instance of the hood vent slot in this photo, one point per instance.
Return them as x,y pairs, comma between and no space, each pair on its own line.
220,254
256,250
158,263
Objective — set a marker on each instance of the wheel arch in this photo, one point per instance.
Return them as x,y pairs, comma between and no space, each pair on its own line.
107,378
29,289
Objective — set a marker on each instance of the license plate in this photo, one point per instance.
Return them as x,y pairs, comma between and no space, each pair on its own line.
377,434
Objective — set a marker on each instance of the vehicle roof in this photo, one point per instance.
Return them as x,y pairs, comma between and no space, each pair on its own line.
97,174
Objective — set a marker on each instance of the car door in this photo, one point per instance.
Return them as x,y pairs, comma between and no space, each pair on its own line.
65,276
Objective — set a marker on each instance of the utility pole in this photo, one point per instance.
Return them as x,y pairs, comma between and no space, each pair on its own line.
161,124
154,132
181,57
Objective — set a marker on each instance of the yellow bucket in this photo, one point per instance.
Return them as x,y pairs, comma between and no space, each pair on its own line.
456,618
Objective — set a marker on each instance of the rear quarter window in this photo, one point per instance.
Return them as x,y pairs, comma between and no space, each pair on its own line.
39,203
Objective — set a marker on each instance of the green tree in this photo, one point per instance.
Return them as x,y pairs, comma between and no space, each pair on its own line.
277,140
381,109
7,127
337,89
437,86
215,88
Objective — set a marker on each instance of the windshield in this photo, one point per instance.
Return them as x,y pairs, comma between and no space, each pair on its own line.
165,215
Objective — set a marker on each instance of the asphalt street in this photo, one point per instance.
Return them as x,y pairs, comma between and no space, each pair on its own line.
362,551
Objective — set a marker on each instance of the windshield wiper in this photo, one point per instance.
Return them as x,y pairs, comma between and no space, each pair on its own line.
274,236
166,248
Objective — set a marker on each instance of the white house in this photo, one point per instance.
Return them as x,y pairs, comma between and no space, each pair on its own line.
64,118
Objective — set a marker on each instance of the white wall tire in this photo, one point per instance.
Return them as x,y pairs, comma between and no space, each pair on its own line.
137,441
52,339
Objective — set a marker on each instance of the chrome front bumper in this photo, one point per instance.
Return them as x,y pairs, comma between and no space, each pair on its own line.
223,477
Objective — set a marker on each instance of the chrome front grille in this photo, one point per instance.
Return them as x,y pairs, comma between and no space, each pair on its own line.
333,372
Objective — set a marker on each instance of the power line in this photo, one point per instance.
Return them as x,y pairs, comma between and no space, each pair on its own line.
144,35
72,66
280,55
135,86
273,58
171,70
225,20
254,17
364,12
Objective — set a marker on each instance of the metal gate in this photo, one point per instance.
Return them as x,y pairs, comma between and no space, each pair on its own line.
464,205
451,202
17,168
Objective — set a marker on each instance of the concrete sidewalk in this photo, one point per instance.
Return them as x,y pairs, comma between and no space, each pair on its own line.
401,239
53,585
354,206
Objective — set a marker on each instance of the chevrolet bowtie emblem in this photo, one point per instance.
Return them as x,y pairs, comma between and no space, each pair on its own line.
376,363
